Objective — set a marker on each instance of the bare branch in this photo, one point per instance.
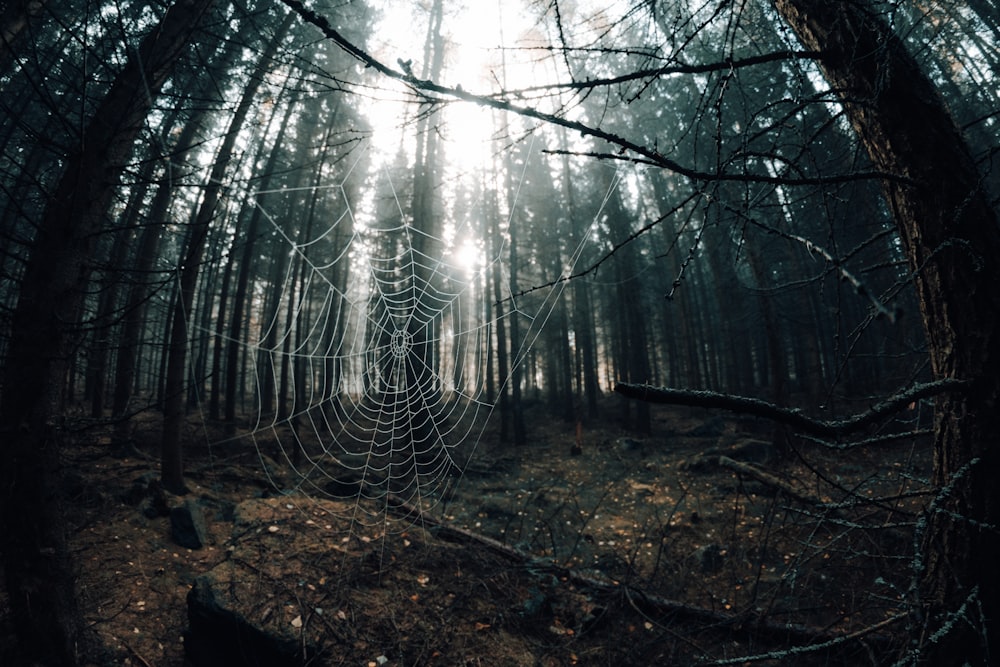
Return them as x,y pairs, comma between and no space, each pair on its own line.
838,265
619,245
873,441
644,602
790,416
725,65
500,101
766,478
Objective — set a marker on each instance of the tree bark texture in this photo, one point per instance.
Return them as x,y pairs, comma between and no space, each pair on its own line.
951,237
36,560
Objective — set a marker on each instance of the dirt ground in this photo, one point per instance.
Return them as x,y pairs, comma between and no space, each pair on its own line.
700,543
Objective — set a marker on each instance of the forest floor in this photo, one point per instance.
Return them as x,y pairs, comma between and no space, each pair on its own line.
698,544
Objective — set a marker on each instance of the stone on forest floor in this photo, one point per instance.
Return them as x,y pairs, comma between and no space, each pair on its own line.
220,637
187,525
631,446
710,558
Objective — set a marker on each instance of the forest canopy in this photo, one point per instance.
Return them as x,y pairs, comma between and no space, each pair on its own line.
387,240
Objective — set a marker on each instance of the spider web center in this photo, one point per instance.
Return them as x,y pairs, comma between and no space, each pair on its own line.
400,343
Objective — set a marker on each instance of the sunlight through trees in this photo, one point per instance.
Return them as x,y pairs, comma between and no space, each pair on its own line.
385,249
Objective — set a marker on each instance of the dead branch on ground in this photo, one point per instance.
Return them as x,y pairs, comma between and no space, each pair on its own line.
790,416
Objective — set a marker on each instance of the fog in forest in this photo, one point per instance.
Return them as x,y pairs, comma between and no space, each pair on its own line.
502,333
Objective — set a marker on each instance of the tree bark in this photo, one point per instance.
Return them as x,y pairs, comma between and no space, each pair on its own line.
501,343
36,560
112,282
951,236
171,459
246,269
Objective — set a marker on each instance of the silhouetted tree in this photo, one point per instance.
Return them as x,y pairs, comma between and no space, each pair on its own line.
36,561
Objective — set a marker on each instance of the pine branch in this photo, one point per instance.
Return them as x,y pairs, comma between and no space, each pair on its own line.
790,416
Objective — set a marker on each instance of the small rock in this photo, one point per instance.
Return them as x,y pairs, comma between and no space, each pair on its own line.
187,525
154,507
219,637
631,446
710,558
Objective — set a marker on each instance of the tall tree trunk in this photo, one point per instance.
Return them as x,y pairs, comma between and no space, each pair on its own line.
583,327
126,369
171,458
215,391
517,351
268,354
633,340
243,278
36,560
582,313
424,247
952,240
496,278
103,327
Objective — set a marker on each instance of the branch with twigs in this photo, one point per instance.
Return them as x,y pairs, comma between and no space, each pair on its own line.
789,416
501,101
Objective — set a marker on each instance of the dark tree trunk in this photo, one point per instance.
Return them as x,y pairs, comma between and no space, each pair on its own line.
633,340
503,364
104,324
422,364
215,392
583,327
126,370
952,241
36,560
171,459
246,268
517,351
582,314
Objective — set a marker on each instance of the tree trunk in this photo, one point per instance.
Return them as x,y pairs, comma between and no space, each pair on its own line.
126,369
951,237
582,314
246,268
502,363
104,322
215,392
517,351
632,339
171,460
36,560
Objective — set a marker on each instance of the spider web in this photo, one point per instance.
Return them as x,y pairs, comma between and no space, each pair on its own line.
380,337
